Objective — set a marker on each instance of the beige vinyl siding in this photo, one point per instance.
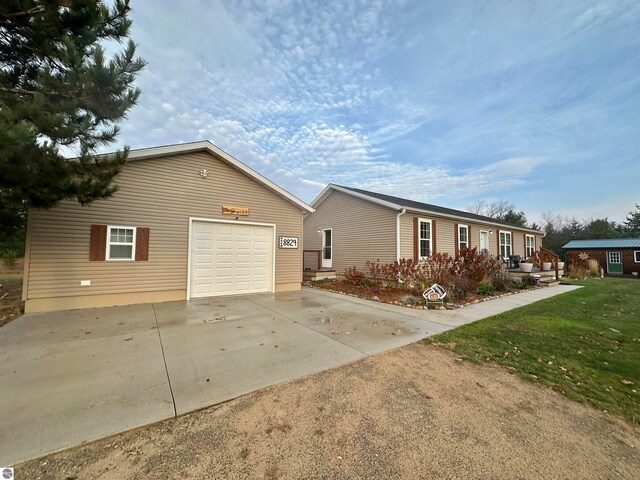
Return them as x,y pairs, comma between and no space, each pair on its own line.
445,235
362,231
159,193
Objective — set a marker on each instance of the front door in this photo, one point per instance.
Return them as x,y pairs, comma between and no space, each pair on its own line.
484,241
327,248
614,262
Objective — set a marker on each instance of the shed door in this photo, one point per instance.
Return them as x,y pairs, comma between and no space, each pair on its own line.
230,259
614,262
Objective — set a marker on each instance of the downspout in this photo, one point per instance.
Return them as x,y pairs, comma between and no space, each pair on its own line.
402,212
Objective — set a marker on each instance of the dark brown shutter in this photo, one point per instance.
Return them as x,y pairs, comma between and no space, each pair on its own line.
456,238
469,246
433,236
498,242
142,244
98,243
524,238
415,240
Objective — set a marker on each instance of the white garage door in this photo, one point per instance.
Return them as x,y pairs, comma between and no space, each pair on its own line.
229,259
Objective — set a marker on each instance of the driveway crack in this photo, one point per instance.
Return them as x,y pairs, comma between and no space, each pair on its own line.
164,359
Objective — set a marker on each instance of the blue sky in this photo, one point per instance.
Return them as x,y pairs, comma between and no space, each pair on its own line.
537,102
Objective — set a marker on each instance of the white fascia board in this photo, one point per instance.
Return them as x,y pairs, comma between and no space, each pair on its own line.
153,152
471,220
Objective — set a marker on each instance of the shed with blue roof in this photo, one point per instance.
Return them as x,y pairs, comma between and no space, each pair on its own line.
616,255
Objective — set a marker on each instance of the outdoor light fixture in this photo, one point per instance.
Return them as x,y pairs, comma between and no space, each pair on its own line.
204,173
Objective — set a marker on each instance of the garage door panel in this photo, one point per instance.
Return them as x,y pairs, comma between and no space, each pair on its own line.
231,259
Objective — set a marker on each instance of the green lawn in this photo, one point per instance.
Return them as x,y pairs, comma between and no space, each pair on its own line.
584,344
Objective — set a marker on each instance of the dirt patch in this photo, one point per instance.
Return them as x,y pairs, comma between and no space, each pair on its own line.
415,412
11,304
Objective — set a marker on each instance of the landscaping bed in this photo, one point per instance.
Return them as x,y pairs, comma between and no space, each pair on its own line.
399,296
584,344
469,278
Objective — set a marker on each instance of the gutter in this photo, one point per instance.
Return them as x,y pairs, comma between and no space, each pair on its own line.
402,212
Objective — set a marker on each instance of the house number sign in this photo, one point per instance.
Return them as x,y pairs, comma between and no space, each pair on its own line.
288,242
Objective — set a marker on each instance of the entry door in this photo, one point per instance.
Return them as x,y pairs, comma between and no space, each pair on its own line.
229,259
327,248
484,241
614,262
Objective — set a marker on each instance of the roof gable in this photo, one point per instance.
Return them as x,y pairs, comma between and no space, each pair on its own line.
206,146
398,203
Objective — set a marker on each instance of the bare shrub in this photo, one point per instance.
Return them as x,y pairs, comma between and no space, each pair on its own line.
376,271
475,266
353,275
438,268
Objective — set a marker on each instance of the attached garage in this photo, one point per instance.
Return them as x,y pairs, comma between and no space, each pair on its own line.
187,221
231,259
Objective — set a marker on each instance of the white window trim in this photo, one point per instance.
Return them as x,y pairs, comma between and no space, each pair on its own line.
488,249
506,232
425,220
322,241
635,256
614,253
133,245
526,246
466,227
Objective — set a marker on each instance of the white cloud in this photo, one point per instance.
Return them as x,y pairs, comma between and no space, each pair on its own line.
414,99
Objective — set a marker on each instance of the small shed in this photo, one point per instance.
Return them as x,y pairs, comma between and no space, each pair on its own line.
616,255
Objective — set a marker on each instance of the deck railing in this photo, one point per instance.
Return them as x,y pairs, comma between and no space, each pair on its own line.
546,255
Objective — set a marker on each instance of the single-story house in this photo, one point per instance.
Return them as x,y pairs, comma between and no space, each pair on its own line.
615,255
187,221
350,226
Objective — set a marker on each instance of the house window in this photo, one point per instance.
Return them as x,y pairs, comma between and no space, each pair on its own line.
121,243
505,244
531,245
424,238
614,257
636,256
463,237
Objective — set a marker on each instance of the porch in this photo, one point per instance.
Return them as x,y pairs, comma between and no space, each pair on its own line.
312,267
541,258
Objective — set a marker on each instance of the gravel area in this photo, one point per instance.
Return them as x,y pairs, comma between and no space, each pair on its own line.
414,412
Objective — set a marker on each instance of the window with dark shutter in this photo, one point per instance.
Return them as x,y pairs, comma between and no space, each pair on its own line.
118,243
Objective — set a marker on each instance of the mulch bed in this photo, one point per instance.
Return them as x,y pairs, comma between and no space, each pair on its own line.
394,295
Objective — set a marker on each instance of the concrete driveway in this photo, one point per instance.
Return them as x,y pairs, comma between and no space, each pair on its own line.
74,376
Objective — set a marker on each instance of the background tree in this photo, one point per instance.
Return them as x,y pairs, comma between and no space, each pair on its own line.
500,210
632,223
58,90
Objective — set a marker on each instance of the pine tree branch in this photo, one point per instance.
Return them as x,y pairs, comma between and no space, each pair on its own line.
31,11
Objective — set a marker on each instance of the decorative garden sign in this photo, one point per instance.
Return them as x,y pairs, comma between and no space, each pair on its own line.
435,293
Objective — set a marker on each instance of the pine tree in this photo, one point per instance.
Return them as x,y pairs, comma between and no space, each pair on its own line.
632,223
58,90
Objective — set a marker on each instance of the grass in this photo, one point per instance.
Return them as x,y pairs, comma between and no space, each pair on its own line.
584,344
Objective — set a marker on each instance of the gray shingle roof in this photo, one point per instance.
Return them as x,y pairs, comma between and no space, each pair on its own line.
403,202
605,243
